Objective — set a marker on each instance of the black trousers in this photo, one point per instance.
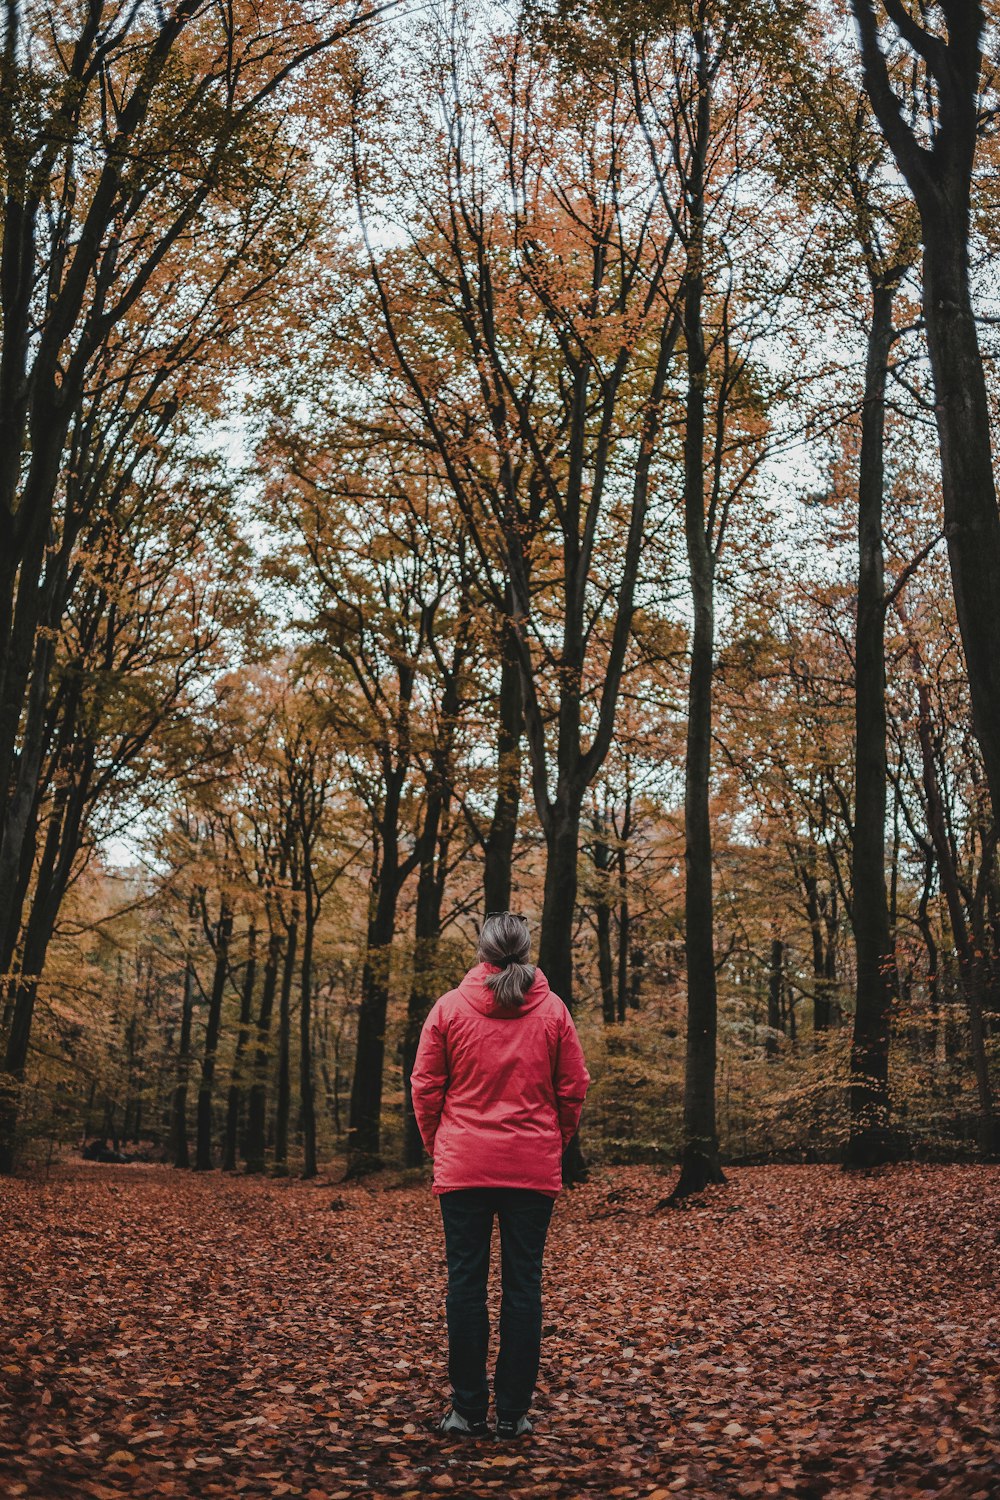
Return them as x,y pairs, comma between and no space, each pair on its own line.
468,1215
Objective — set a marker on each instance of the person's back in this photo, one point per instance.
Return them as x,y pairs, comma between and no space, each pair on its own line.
499,1121
497,1088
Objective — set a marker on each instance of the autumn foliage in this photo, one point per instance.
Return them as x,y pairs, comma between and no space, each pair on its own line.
457,459
798,1333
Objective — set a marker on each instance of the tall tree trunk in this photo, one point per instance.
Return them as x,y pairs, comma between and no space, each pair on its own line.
870,1140
940,179
821,993
624,996
423,986
774,996
972,522
499,854
930,943
637,964
52,877
605,963
604,859
203,1144
700,1162
555,946
422,997
626,985
284,1090
971,959
832,923
256,1147
178,1119
235,1101
365,1120
307,1090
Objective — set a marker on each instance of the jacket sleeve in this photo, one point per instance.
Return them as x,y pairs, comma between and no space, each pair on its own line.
570,1078
429,1079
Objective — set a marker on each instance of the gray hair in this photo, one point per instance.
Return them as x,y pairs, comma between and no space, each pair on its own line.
506,943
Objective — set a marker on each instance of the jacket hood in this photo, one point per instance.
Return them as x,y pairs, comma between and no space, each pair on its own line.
474,989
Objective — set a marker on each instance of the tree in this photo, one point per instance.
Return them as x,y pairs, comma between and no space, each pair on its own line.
937,159
692,93
837,149
530,322
100,247
127,662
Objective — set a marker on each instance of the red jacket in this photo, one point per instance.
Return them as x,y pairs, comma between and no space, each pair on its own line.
497,1093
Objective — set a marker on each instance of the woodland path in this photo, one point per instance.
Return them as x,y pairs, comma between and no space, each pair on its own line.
798,1333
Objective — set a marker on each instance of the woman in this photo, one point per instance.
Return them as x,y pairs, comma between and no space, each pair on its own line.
497,1087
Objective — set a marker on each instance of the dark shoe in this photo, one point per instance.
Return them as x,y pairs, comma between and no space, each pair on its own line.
453,1424
513,1427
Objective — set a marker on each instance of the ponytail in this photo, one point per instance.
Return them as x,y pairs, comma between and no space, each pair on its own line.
506,944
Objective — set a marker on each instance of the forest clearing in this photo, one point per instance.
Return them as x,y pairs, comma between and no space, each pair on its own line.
800,1332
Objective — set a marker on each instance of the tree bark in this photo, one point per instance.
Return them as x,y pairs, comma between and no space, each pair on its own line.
605,963
51,879
203,1143
973,976
256,1149
307,1087
627,984
235,1101
555,946
774,996
820,957
700,1161
940,179
423,986
603,857
364,1121
972,522
178,1119
499,853
870,1139
284,1090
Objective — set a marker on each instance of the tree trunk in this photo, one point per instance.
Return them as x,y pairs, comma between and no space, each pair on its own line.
307,1090
870,1140
821,994
830,965
774,996
203,1144
637,965
423,986
256,1150
603,856
284,1091
605,963
971,960
178,1119
235,1101
940,179
52,877
700,1163
555,946
972,522
499,854
624,996
365,1120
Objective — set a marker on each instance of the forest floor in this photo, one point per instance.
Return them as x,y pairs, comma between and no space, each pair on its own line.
797,1333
